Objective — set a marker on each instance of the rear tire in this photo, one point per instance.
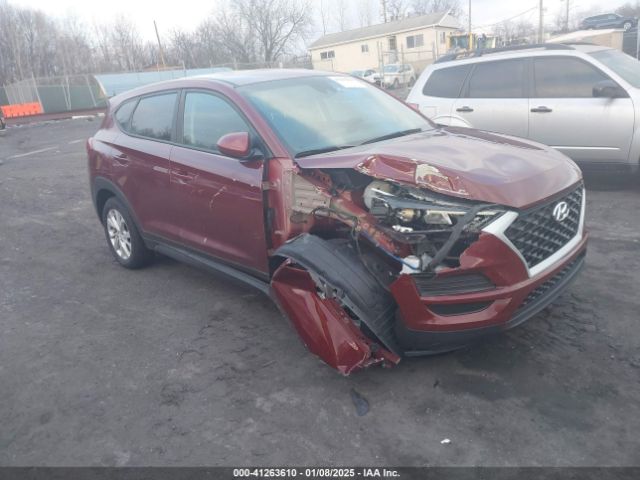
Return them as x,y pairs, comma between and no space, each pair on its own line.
412,82
396,84
124,240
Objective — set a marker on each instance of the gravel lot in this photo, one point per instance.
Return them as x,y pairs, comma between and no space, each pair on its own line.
172,366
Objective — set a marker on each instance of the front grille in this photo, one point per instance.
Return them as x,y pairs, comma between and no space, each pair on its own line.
541,290
538,235
428,286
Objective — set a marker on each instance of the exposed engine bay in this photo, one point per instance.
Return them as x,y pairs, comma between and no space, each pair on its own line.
421,230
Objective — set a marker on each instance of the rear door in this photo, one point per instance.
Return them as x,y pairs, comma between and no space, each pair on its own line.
564,113
217,200
141,159
494,98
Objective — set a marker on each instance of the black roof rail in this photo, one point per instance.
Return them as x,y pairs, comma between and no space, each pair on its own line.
480,52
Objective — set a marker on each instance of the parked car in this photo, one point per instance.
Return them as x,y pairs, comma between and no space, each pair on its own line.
369,75
377,233
582,100
609,20
398,75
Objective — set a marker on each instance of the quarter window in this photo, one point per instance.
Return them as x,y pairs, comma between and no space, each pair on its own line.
565,77
153,117
123,114
207,118
446,82
504,79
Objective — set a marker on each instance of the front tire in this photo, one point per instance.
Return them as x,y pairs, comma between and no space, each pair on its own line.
627,26
124,240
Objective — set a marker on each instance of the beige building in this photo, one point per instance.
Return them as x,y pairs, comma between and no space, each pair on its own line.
417,40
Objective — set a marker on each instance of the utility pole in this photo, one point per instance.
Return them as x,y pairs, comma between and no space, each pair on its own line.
384,10
541,24
566,25
164,65
470,34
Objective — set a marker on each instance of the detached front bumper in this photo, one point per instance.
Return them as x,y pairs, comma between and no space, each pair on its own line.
429,324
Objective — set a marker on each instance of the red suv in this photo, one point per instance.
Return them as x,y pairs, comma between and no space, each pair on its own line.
378,233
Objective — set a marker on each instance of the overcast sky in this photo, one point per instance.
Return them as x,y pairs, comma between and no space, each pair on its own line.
186,14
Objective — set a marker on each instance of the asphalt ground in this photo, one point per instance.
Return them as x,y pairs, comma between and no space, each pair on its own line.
173,366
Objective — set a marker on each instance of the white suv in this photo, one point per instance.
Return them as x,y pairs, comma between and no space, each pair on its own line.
581,99
396,75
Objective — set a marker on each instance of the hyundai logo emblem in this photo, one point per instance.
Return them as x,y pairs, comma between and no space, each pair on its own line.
561,211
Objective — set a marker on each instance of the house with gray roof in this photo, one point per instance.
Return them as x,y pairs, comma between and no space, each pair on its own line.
416,40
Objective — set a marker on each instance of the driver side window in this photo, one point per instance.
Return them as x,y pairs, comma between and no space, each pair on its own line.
564,77
207,118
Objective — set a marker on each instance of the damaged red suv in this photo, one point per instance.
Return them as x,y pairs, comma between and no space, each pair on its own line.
377,233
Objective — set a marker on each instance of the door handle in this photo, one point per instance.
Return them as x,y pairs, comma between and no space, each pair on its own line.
121,158
541,109
464,109
183,176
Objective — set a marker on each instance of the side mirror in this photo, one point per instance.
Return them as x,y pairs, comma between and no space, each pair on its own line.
608,89
237,144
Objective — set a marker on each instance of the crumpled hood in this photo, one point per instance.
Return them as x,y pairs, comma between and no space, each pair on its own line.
462,162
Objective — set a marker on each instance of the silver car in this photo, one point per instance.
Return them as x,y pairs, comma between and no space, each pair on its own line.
583,100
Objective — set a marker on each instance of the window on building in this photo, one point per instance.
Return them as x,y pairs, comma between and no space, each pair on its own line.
446,82
364,48
153,116
393,46
443,37
327,55
562,77
415,41
504,79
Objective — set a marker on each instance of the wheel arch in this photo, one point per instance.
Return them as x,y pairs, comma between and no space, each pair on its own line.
102,190
328,332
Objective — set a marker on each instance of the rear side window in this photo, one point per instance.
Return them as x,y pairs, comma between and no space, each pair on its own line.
123,114
503,79
207,118
153,117
446,82
565,77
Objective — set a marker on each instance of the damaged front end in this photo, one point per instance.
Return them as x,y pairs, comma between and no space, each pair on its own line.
349,235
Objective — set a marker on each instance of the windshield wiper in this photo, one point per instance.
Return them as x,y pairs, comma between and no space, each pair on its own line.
389,136
317,151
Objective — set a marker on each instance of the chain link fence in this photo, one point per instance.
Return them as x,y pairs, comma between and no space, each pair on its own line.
86,92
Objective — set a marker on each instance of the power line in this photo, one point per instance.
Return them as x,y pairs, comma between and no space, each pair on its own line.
508,19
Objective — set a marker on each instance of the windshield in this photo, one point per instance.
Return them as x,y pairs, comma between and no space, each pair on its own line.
621,63
391,68
328,113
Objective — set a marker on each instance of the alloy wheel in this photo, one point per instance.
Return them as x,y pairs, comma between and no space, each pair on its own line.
119,234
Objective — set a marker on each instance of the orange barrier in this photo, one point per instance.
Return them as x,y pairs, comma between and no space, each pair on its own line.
21,110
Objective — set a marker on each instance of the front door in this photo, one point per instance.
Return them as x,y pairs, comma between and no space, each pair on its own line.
564,114
218,201
494,98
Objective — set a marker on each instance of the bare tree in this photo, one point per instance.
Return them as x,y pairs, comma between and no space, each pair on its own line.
276,23
423,7
341,15
630,9
126,44
365,16
396,9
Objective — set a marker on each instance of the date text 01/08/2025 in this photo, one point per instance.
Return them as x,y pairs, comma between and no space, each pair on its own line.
315,473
